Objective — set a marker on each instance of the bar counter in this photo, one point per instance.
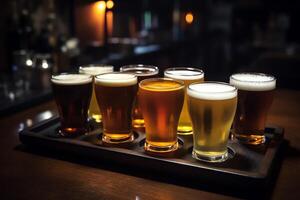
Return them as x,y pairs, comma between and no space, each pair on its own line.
27,173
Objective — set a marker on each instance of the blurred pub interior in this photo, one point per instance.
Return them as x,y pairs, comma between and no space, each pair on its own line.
42,37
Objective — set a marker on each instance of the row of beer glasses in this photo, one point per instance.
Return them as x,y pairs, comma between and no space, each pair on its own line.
179,103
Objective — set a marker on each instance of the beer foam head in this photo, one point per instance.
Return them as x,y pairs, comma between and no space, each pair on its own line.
212,91
253,81
184,73
116,79
140,69
71,79
95,69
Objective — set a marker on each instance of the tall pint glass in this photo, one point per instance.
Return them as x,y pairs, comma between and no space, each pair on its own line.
94,111
187,75
212,106
72,94
142,72
255,96
161,101
115,93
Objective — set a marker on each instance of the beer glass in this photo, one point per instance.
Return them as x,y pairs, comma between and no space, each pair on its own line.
72,94
255,96
94,111
187,75
142,72
115,93
161,101
212,106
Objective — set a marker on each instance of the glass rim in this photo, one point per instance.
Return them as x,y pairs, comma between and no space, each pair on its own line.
253,73
141,66
156,79
185,68
132,76
213,82
88,78
83,69
95,65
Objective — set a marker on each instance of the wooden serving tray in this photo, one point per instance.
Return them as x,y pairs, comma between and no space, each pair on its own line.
248,167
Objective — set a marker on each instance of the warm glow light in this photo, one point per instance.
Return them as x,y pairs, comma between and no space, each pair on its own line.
109,4
101,5
110,21
189,18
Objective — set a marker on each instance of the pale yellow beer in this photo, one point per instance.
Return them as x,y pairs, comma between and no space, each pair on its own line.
212,107
94,110
115,94
142,72
187,75
161,101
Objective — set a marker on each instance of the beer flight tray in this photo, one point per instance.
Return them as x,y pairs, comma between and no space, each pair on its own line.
246,167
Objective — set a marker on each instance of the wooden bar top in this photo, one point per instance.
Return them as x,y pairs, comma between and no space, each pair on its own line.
34,174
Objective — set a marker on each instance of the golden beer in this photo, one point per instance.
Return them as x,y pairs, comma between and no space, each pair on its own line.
115,93
212,107
188,76
142,72
255,96
161,101
94,111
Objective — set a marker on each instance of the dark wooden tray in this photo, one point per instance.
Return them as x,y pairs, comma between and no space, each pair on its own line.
247,167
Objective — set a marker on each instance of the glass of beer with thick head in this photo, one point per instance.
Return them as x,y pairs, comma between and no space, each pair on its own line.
72,94
255,96
115,93
94,111
187,75
142,72
212,106
161,101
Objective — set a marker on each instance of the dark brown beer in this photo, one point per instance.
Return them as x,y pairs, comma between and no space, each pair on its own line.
115,94
255,96
252,110
72,94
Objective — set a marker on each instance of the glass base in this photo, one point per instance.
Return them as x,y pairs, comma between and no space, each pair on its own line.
110,140
250,139
211,159
160,149
97,118
138,123
184,130
71,132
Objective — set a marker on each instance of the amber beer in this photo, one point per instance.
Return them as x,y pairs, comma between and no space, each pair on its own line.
115,93
255,96
187,75
212,106
161,101
72,94
94,111
142,72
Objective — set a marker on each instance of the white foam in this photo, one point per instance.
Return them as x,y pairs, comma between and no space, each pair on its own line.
184,74
116,79
253,81
212,91
95,70
71,79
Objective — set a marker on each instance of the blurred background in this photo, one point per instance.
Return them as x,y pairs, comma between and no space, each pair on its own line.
42,37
